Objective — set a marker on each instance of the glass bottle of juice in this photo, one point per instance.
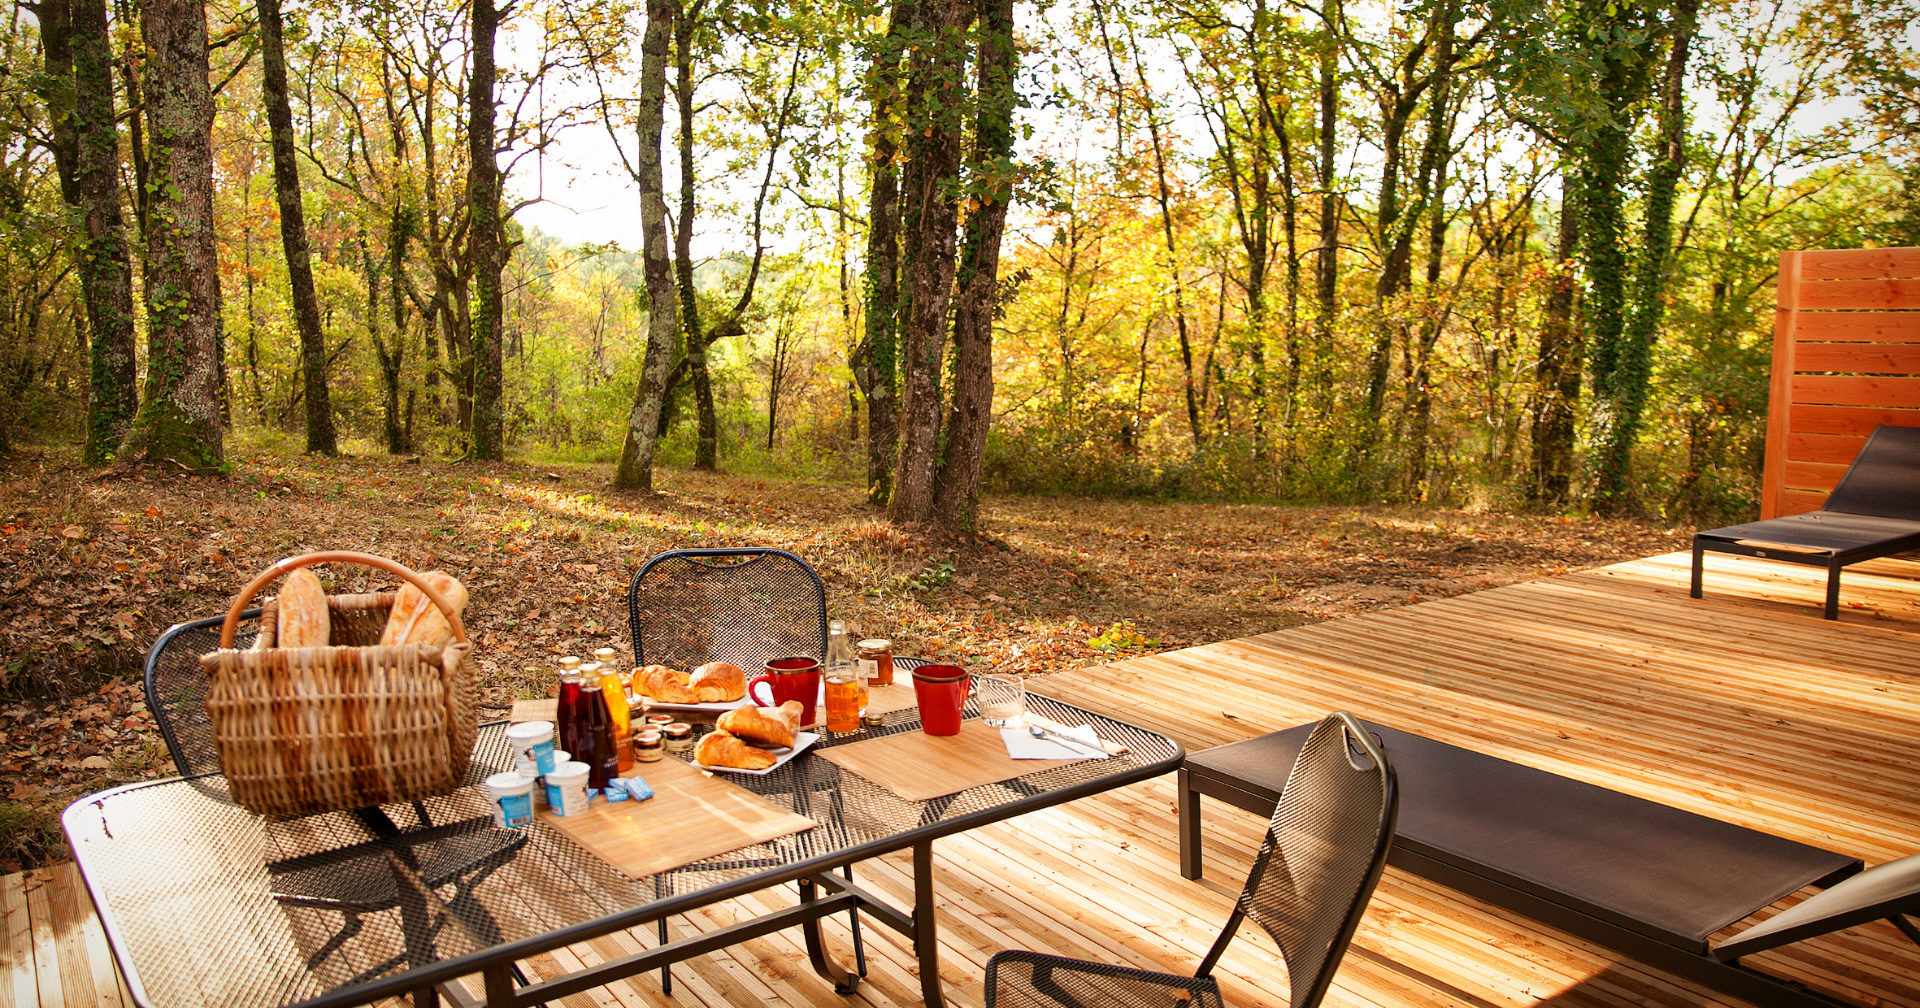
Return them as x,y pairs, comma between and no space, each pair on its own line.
846,687
566,714
596,734
613,689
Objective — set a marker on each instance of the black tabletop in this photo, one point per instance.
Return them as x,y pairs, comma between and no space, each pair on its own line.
1666,873
206,903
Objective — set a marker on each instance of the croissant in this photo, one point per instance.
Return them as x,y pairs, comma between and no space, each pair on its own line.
665,685
719,682
720,749
416,620
768,726
302,607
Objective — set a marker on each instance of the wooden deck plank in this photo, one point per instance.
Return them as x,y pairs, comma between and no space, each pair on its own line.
18,988
1744,705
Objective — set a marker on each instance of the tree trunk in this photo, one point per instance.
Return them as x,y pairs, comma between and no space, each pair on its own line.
1326,262
878,353
486,241
179,416
643,423
80,62
957,493
936,106
1164,199
293,230
1556,371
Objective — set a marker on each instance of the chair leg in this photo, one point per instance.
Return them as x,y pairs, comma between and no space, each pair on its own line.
1189,805
1833,590
1699,557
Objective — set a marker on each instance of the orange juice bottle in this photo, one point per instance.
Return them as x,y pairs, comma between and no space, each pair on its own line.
846,688
613,686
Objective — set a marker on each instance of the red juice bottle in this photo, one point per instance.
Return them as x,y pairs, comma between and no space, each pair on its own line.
567,712
596,736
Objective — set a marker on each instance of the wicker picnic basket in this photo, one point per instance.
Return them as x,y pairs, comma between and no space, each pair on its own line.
353,725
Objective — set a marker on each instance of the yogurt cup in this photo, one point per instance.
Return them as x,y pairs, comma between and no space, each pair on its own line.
512,799
567,789
533,750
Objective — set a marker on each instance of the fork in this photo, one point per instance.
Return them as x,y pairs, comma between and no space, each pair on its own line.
1047,733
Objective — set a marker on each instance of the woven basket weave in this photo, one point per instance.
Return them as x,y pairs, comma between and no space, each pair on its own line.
352,725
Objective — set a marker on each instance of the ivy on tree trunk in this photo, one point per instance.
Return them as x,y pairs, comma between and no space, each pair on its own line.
486,242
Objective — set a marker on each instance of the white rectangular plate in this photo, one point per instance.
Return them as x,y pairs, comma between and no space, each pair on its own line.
801,740
717,706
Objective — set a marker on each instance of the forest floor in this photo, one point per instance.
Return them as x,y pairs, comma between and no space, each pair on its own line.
94,565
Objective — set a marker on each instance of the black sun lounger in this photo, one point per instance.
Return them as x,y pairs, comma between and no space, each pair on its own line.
1874,511
1645,879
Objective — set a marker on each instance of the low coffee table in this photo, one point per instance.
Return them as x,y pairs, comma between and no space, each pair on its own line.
1646,879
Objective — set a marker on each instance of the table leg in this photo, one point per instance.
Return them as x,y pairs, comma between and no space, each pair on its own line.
926,936
843,981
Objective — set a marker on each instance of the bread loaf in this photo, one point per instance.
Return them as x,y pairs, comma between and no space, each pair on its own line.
719,682
720,749
416,620
303,621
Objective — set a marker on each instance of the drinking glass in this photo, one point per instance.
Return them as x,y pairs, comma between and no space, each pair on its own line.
1002,700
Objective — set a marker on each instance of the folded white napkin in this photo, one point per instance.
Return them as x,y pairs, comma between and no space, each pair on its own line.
1022,745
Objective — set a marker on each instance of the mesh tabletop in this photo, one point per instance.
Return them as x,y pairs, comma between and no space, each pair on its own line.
206,904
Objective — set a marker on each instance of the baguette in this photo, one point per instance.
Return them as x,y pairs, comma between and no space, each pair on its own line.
416,620
302,607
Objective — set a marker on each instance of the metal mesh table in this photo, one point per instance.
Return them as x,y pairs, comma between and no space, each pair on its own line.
190,888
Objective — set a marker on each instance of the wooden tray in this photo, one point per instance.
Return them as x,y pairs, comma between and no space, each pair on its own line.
691,816
920,767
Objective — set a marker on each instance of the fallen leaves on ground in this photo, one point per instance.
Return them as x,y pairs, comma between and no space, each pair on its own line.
95,565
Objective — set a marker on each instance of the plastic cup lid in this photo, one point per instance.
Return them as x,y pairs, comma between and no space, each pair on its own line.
568,770
509,783
529,729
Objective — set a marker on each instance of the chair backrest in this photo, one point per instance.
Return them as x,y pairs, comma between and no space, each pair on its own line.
1325,847
745,606
1884,479
177,688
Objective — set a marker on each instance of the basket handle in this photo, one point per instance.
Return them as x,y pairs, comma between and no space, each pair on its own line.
291,564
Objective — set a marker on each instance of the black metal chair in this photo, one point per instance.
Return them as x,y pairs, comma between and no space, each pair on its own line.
743,605
1322,857
356,880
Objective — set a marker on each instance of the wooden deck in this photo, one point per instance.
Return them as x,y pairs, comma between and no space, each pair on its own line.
1744,705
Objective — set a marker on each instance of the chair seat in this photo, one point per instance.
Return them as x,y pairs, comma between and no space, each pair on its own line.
1018,978
1824,532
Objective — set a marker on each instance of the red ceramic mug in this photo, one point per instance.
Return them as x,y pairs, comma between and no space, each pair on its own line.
795,678
941,692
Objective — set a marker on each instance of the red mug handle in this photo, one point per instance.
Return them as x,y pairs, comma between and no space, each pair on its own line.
753,683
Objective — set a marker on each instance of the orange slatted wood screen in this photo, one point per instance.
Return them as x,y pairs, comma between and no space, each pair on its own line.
1846,358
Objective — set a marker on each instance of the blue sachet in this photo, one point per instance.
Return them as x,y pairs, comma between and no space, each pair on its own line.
637,787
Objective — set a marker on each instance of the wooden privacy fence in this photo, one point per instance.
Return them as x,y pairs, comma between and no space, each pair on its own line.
1846,358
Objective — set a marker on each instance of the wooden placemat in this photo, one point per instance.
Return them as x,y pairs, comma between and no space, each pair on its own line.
535,710
920,767
692,815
